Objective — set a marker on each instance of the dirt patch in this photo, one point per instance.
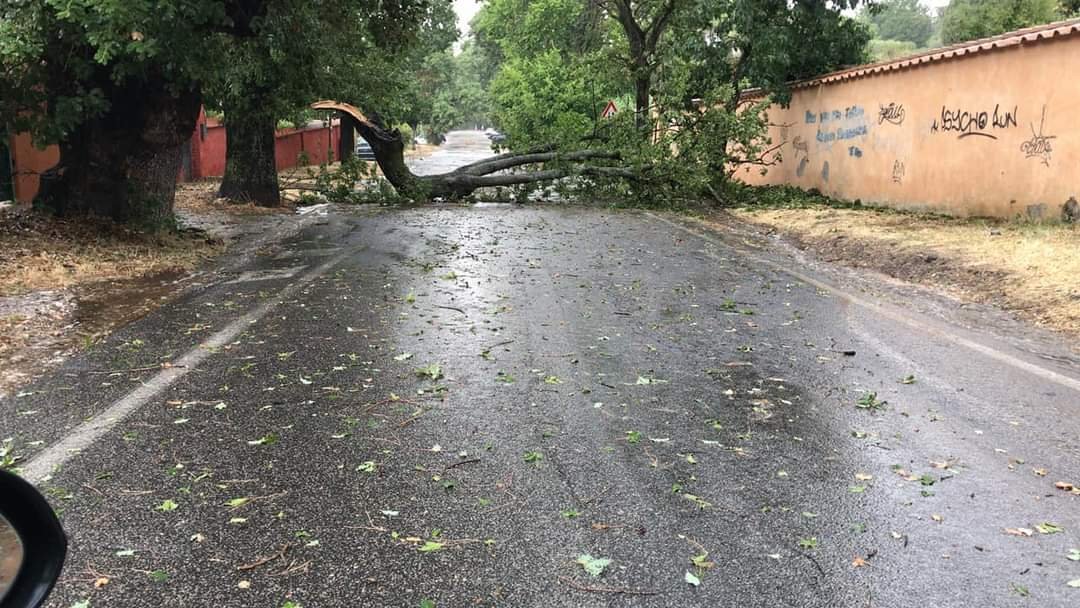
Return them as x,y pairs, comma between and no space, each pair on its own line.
200,198
65,284
1031,270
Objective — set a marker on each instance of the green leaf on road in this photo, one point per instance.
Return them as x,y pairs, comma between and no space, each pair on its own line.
237,502
1048,528
431,546
691,579
368,466
1074,583
159,576
403,357
81,604
1074,555
633,436
433,371
267,439
808,543
125,553
593,565
533,456
167,505
427,604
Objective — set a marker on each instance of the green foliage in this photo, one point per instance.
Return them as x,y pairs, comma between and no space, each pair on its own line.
965,20
883,50
900,20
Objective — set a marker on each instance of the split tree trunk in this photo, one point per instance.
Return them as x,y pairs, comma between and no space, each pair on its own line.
124,164
389,149
250,166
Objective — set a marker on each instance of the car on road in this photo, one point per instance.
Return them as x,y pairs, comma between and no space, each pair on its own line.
364,151
495,136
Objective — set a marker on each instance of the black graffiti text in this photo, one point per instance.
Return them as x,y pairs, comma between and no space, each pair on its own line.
898,171
974,123
1039,145
894,113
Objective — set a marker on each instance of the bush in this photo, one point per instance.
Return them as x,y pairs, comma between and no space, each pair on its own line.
407,134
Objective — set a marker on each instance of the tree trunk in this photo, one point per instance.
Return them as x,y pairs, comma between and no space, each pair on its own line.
123,164
250,167
641,100
389,149
347,140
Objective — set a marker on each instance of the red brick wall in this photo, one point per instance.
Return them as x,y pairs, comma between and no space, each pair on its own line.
208,143
27,162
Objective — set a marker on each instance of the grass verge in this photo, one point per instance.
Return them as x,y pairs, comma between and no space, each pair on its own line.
1032,270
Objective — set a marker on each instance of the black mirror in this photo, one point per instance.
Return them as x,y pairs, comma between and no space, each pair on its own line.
32,544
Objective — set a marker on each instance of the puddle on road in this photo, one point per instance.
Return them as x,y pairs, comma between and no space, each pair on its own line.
103,306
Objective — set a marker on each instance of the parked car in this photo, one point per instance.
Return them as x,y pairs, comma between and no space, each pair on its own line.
364,151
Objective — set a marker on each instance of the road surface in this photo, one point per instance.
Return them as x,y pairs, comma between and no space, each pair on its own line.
476,406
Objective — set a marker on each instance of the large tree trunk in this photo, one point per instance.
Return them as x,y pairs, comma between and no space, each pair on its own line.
123,164
250,167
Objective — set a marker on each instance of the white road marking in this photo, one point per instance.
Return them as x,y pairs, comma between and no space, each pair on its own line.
42,465
266,275
919,323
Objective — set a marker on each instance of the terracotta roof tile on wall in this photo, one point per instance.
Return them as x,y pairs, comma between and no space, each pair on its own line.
1029,35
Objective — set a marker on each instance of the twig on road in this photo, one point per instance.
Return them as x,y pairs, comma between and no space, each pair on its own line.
592,589
453,308
265,560
461,462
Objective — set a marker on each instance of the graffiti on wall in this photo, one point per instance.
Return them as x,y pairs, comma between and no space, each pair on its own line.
893,113
852,121
802,166
898,170
1039,145
799,145
979,123
854,151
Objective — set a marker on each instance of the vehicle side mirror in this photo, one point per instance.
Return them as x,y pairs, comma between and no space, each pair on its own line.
32,544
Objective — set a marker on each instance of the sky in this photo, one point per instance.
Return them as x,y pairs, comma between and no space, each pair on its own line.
465,10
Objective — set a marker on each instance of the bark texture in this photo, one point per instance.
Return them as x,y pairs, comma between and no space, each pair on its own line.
250,167
123,164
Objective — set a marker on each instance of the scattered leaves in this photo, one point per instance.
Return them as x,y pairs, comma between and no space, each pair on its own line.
593,565
167,505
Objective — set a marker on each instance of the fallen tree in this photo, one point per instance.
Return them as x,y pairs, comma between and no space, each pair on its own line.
389,149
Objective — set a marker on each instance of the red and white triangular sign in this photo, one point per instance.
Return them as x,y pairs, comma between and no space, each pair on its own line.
609,110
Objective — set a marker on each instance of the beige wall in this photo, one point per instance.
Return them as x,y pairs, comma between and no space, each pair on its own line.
995,133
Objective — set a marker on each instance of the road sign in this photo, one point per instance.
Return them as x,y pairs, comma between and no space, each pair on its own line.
609,110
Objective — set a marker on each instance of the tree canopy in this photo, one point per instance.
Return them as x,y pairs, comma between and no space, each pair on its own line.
965,20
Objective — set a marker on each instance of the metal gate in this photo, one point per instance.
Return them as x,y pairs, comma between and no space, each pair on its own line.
7,191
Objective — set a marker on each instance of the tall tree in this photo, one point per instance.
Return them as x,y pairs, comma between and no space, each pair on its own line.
644,23
965,20
344,49
118,86
904,20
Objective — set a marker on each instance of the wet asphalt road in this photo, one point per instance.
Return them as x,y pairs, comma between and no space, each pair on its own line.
455,404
